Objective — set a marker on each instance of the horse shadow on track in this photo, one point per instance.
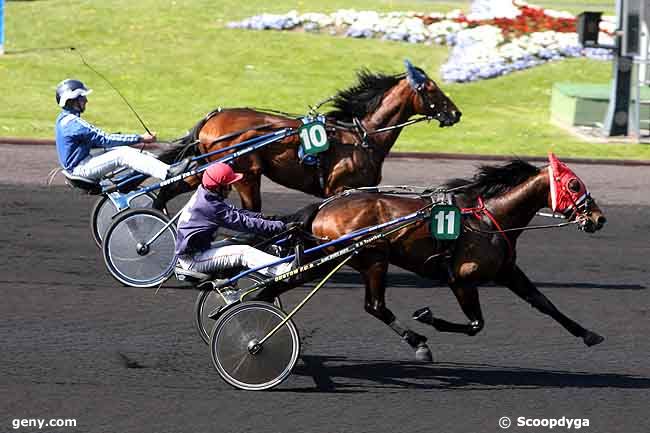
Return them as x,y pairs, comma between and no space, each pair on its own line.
343,375
352,280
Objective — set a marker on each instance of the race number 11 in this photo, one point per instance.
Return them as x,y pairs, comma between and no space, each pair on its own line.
445,222
313,137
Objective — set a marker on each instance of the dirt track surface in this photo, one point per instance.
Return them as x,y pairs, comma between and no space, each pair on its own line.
76,344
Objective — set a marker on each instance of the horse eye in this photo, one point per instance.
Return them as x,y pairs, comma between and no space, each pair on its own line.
574,185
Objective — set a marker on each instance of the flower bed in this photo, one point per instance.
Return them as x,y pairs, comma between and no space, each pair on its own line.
485,44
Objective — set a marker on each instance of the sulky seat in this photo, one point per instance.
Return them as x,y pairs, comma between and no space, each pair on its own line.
85,183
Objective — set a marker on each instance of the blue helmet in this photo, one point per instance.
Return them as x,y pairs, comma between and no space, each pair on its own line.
70,89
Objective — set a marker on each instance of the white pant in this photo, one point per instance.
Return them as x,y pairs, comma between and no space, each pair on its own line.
232,256
95,167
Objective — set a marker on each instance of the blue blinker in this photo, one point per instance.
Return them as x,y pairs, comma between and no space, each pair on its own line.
415,77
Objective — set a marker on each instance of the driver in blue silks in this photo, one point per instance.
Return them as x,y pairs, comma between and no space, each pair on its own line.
75,138
206,212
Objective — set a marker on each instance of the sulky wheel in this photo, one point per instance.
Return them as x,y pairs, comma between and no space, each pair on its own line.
210,300
240,359
104,210
132,252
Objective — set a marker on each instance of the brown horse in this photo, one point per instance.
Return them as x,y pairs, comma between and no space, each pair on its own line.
498,201
356,153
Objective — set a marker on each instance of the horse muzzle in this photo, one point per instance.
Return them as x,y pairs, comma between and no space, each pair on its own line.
448,118
591,225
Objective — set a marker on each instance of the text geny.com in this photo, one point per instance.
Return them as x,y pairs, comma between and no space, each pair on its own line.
43,423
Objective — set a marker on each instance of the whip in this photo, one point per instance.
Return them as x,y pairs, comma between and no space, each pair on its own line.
113,87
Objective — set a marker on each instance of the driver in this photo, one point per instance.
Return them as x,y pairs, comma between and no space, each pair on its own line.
206,212
75,137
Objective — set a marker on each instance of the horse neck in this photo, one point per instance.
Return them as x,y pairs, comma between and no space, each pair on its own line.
396,107
517,207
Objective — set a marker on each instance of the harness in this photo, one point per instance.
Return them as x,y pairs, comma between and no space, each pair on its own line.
481,210
440,195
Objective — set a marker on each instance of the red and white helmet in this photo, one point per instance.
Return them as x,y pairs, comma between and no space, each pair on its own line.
567,190
219,174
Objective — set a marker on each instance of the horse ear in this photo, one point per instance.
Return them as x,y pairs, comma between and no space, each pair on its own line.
415,77
552,158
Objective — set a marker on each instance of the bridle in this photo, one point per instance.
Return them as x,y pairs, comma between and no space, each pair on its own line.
579,209
425,98
364,133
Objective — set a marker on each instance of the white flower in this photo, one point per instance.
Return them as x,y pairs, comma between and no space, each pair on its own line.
487,9
478,53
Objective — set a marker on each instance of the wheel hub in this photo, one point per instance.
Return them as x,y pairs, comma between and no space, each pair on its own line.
142,249
254,347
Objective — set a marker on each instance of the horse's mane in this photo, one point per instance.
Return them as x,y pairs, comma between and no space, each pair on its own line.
491,181
363,98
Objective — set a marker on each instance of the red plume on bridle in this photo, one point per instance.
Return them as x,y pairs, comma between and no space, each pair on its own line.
567,190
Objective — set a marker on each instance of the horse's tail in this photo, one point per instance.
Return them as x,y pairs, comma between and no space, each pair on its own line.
187,145
303,215
177,149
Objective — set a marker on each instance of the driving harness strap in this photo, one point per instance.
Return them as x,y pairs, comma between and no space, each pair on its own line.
482,210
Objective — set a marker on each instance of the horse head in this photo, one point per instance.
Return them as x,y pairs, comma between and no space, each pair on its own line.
570,197
431,100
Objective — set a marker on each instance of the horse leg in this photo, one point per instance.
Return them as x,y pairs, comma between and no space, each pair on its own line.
468,300
519,283
374,275
249,189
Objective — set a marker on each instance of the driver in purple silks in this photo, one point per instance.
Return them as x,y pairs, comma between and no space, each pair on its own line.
206,212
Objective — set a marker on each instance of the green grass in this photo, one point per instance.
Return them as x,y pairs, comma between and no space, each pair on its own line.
175,61
608,7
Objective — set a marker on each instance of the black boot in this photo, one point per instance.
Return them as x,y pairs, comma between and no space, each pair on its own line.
178,168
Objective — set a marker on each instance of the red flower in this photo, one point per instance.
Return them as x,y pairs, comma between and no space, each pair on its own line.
529,20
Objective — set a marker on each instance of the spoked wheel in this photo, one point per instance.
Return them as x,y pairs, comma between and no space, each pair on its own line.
131,253
103,211
210,300
240,359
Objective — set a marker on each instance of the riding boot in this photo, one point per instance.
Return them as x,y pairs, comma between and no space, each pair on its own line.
178,168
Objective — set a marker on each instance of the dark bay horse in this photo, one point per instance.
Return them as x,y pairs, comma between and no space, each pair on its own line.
354,158
498,199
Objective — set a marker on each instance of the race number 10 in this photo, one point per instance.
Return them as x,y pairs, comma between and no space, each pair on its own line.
445,222
313,137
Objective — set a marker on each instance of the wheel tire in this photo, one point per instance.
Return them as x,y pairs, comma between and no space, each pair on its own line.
103,211
125,263
237,329
209,300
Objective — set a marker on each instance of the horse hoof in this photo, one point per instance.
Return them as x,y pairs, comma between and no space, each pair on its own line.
423,315
423,354
591,338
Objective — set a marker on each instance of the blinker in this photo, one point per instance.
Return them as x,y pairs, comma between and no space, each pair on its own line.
562,197
415,78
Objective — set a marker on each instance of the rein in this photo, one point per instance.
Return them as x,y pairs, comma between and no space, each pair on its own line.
428,193
400,125
525,228
482,210
357,126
